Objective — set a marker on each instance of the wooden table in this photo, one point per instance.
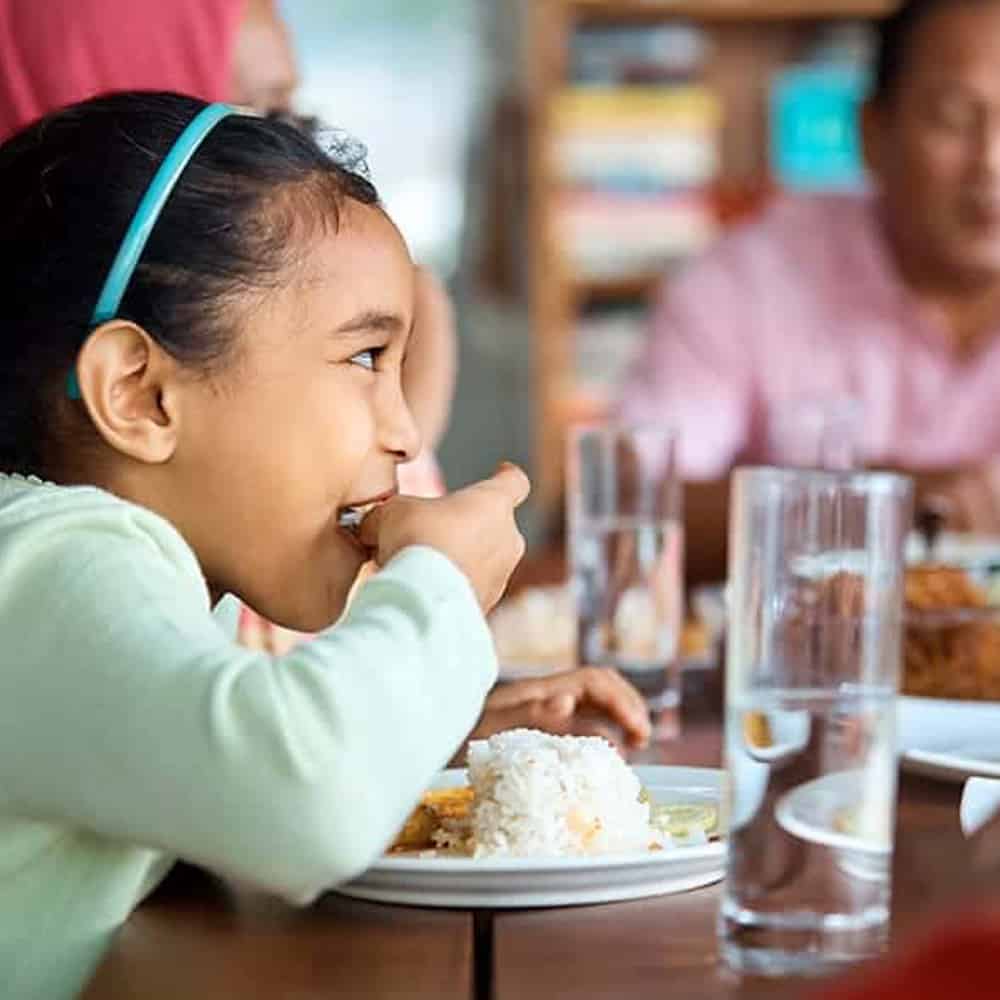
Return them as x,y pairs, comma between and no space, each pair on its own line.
195,940
199,940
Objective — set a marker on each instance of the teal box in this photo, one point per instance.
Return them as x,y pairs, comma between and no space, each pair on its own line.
815,134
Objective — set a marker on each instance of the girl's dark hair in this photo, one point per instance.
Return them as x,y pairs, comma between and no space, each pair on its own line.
895,35
69,185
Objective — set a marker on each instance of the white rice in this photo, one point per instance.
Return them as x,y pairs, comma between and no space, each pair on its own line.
539,795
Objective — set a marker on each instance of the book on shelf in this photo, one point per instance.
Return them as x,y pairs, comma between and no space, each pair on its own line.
815,141
665,106
609,235
633,166
814,109
620,54
653,163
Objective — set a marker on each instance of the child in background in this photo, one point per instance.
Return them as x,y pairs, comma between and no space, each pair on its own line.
202,322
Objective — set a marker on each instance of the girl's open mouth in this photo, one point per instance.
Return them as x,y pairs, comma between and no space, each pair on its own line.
350,518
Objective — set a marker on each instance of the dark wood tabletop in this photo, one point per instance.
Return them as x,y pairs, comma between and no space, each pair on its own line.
197,938
666,946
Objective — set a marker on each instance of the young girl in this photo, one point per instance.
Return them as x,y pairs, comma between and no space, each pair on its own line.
202,323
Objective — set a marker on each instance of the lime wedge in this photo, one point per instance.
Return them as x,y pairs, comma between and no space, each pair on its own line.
683,819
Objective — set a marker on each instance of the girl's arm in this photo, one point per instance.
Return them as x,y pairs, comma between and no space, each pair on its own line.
125,710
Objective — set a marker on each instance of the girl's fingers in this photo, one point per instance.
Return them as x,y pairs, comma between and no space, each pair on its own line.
602,691
552,715
620,701
518,692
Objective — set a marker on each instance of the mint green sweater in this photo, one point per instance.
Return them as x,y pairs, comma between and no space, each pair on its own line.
134,731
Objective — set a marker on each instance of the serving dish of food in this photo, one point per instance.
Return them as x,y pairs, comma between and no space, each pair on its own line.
948,717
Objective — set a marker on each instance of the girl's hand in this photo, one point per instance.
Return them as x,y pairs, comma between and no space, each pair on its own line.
474,527
591,701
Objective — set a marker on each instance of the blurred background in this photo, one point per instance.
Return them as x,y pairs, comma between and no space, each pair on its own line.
552,161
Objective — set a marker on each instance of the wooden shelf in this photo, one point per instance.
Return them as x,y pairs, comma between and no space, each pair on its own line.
631,288
619,11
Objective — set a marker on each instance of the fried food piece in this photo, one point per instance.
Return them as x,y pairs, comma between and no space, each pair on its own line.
951,648
449,803
683,819
437,807
417,831
757,730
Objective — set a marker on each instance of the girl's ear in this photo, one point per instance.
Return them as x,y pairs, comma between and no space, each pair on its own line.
127,383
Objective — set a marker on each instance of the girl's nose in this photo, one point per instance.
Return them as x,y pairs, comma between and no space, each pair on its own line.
399,432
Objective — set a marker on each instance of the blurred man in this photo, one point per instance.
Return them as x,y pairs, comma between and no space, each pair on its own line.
891,298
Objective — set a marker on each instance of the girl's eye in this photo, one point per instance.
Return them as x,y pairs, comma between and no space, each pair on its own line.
367,357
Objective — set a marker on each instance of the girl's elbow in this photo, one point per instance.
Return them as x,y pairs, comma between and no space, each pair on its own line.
323,856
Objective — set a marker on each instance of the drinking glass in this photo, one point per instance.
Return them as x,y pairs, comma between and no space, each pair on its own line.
626,553
814,432
813,654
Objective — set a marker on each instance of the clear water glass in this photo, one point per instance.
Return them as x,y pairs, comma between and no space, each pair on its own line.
626,554
813,653
815,433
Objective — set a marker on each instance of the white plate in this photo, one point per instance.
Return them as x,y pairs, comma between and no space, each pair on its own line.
811,811
503,883
969,760
959,549
948,739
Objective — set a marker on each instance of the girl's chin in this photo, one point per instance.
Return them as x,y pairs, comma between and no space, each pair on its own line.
339,596
296,608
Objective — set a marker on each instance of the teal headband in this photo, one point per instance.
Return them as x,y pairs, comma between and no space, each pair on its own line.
136,236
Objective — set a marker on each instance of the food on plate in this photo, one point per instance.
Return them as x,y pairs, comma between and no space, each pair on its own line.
535,631
951,635
439,809
685,820
532,794
951,646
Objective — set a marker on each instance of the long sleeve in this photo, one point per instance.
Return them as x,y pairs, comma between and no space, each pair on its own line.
126,710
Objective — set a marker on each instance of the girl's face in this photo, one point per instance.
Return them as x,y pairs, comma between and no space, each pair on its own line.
308,418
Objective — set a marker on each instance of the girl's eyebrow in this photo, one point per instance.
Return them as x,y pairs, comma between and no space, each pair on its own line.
369,320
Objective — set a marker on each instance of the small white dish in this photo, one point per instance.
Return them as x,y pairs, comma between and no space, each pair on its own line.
814,812
502,883
980,804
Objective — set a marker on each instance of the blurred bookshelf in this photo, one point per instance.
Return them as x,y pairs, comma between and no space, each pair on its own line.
655,125
644,11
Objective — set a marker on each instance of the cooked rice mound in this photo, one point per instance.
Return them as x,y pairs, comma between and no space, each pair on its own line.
538,795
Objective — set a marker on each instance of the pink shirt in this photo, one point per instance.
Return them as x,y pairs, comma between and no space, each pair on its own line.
807,302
